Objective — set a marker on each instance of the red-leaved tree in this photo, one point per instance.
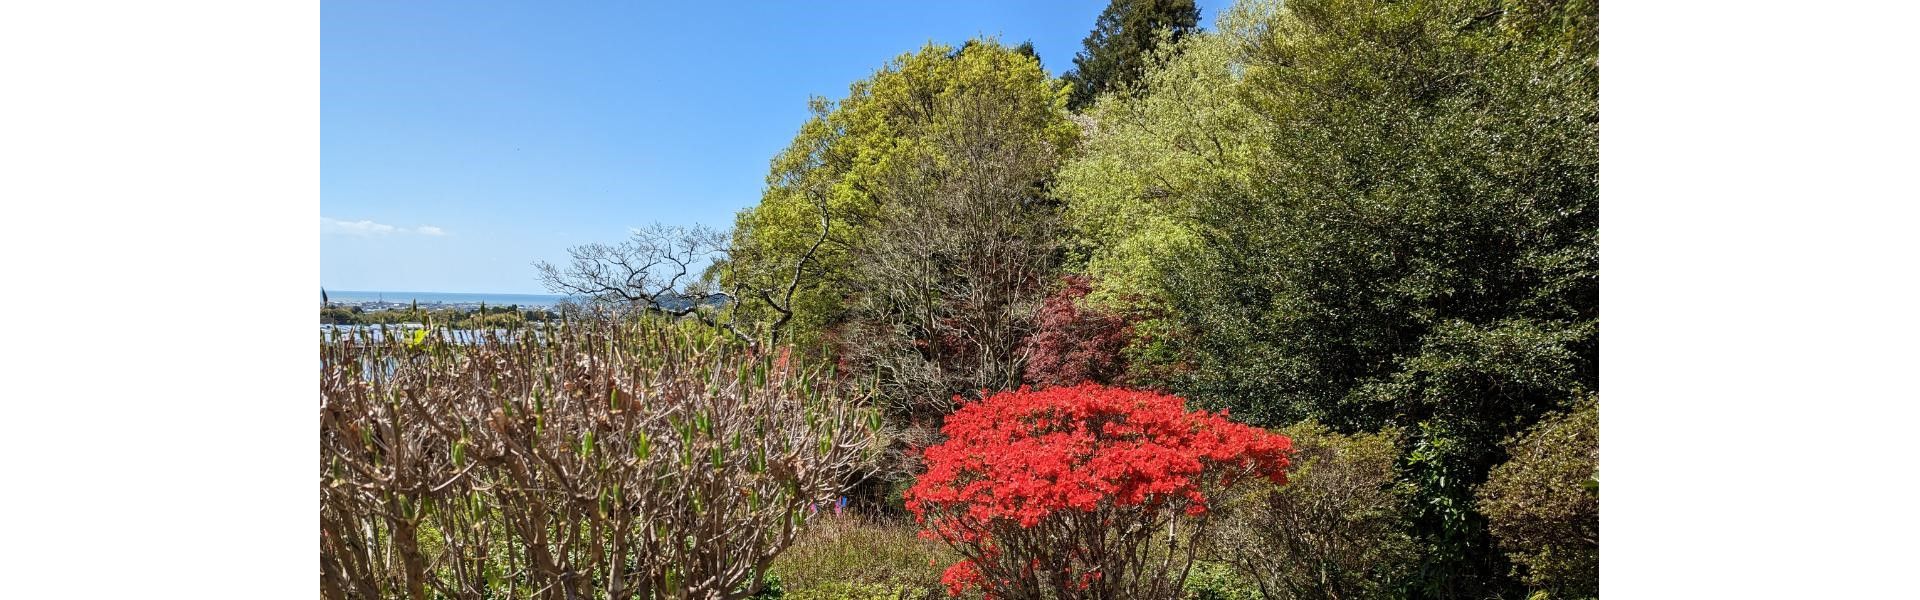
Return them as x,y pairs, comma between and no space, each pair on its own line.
1082,492
1072,343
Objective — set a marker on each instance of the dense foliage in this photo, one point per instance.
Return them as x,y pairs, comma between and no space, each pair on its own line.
930,181
1544,504
606,458
1337,529
1372,224
1064,492
1375,214
1074,343
1121,45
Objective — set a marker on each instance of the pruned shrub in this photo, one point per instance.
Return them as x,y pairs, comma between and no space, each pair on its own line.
1543,504
1337,529
1083,492
590,460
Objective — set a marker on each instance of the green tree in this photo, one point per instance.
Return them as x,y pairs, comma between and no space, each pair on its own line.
1121,44
1152,159
1375,214
929,181
340,315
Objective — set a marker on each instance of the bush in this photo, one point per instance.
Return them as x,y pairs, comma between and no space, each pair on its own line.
1338,529
1543,505
1072,343
1219,581
1083,492
590,460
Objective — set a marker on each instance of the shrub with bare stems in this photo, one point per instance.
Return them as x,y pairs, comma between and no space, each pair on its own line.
600,459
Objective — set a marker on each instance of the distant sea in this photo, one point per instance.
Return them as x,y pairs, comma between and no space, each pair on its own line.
425,298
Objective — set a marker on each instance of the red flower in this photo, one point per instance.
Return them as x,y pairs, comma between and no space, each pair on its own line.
1125,459
960,576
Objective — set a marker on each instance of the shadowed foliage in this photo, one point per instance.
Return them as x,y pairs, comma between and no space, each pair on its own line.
1376,214
1544,503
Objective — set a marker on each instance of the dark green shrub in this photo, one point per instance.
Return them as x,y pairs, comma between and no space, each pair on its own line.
1337,529
771,589
1543,505
1219,581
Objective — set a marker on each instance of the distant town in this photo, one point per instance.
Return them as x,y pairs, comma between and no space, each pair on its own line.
377,300
459,309
431,306
449,309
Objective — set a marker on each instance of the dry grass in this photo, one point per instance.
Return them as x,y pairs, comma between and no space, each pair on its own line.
852,557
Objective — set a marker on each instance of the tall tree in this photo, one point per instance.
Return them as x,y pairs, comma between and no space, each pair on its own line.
1379,214
933,178
1122,42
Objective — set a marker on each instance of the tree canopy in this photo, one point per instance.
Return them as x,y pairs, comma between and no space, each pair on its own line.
930,181
1374,214
1379,216
1121,45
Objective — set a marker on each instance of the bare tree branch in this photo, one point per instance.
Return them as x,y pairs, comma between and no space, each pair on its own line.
654,271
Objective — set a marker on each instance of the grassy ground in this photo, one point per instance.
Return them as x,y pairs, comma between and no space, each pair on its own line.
858,558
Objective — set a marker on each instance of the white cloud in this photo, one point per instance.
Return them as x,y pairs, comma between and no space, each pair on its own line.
366,228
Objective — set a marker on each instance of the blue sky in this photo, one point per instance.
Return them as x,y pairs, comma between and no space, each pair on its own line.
460,141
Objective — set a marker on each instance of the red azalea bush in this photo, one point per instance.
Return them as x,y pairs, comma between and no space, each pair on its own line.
1072,343
1082,492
